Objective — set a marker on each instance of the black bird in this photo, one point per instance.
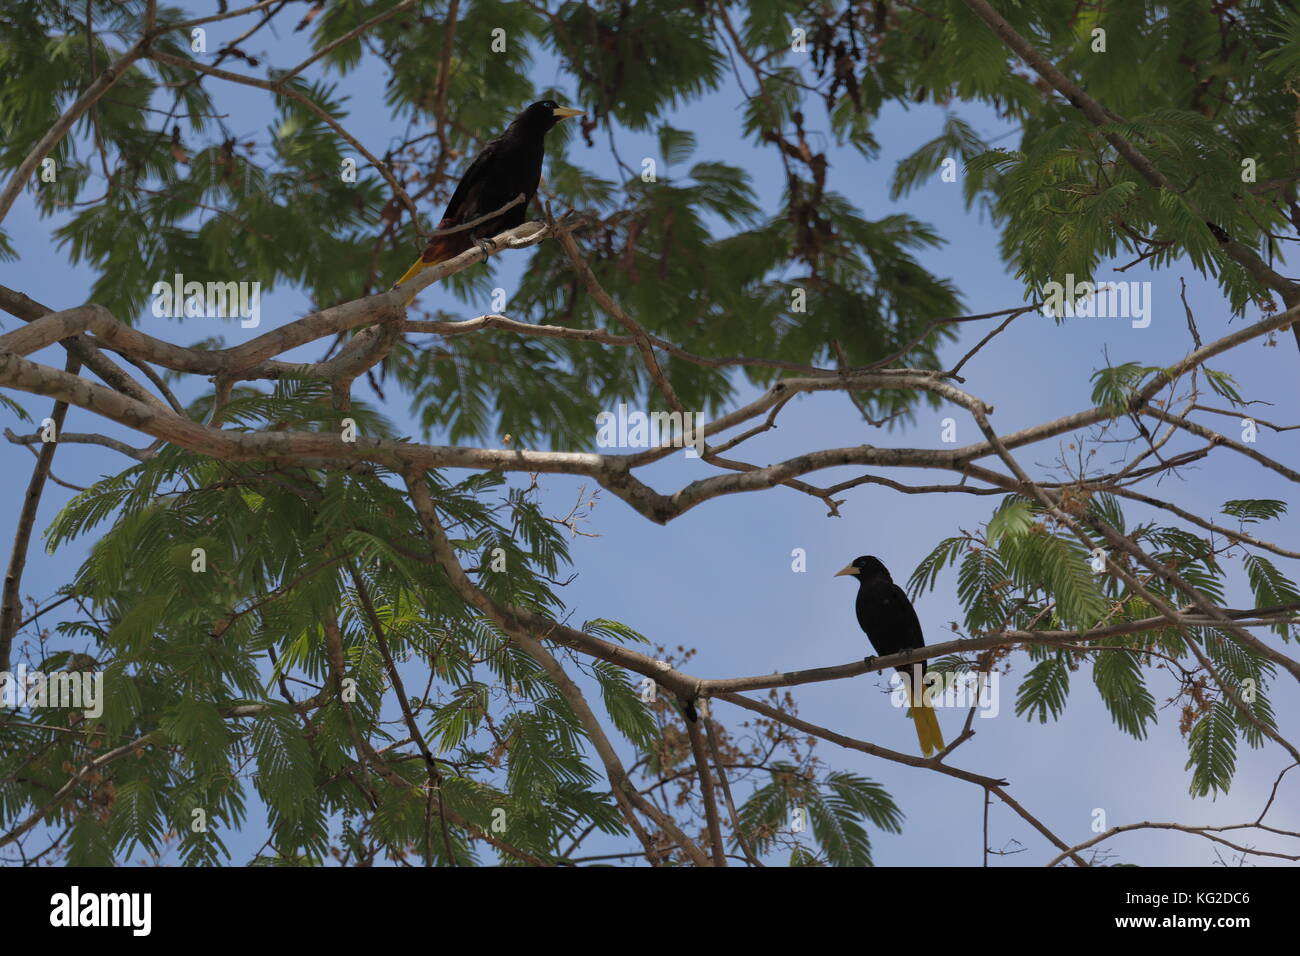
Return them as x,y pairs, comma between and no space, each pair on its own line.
509,165
891,625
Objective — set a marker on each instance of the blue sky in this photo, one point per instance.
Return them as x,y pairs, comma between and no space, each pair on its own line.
719,578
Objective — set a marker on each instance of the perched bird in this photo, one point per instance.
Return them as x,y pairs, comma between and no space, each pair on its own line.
891,624
509,165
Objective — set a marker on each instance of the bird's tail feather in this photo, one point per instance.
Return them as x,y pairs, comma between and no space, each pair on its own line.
927,728
420,266
439,250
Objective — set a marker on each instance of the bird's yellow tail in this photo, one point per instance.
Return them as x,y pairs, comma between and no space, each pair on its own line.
927,728
420,266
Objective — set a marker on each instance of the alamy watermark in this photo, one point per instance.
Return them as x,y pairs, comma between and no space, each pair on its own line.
212,300
638,429
77,690
1100,300
76,908
948,689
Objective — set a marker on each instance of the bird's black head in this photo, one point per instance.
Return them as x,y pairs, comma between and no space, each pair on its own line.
545,114
865,568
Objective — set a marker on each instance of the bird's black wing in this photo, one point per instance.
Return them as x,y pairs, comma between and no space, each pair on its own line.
464,206
908,624
470,186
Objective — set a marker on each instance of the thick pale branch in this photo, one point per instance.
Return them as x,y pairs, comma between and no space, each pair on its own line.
612,471
29,310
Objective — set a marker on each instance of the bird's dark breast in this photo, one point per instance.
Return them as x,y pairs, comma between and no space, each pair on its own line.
886,616
522,174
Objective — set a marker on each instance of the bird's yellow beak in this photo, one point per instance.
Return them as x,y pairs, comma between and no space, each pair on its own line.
564,112
849,570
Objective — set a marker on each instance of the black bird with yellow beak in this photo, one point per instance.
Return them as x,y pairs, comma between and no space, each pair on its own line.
509,165
891,625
